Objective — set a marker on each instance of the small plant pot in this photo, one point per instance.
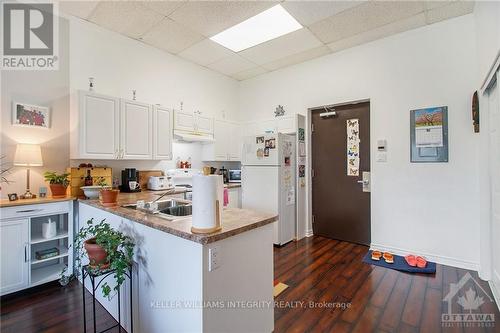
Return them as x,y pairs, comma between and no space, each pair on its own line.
97,255
58,190
109,197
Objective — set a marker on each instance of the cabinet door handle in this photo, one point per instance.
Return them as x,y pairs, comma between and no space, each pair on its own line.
122,152
25,252
116,154
28,210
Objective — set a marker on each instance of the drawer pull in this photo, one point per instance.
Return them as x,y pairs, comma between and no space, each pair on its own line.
28,210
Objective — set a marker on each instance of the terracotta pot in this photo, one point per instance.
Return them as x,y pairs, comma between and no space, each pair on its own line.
58,190
97,255
109,197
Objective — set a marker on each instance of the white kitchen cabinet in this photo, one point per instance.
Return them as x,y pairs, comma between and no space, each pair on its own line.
162,133
136,120
227,145
285,124
234,197
14,264
193,123
98,127
21,237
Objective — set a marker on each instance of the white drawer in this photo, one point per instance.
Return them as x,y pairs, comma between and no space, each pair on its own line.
35,210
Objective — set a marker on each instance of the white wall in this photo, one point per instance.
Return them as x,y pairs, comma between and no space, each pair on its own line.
487,26
430,209
119,65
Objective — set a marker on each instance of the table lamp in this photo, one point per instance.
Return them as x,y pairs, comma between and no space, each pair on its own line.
28,155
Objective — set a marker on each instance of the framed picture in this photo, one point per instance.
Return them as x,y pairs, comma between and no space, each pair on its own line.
30,115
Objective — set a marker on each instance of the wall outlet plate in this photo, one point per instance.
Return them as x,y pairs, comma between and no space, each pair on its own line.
214,258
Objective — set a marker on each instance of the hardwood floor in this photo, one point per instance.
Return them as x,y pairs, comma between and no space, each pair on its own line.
317,270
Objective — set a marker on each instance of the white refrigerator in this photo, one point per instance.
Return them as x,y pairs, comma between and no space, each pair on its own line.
268,180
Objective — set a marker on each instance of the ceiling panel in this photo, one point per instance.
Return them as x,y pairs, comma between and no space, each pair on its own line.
297,58
308,12
454,9
381,32
281,47
170,36
248,74
364,17
127,17
206,52
164,7
211,17
232,65
81,9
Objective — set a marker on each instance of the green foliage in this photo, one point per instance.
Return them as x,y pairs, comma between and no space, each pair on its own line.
101,182
54,178
119,248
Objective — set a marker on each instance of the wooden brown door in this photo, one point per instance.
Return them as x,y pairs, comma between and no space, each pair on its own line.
341,209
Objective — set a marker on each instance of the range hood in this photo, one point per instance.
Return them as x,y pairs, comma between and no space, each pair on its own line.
182,136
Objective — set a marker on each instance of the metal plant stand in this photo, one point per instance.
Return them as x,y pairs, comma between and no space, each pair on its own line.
101,275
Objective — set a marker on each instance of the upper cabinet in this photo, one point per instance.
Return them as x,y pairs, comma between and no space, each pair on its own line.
162,133
227,145
98,126
285,124
112,128
193,123
136,130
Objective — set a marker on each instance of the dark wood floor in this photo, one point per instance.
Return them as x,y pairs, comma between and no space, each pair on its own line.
317,270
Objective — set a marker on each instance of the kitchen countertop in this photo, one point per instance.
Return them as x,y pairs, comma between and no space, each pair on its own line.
234,220
232,185
23,202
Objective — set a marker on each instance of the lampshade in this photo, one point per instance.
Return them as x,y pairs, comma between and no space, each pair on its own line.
28,155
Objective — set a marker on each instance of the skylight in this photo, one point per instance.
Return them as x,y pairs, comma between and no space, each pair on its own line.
269,24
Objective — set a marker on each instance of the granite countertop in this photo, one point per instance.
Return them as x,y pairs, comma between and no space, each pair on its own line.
36,201
234,220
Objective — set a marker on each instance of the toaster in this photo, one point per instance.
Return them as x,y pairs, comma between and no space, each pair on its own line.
158,183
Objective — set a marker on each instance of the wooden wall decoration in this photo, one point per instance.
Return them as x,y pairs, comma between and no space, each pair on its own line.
475,112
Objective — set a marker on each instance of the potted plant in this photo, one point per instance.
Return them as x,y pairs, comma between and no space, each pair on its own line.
106,248
57,182
108,196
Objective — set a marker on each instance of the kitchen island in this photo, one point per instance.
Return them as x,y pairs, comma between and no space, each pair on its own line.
187,282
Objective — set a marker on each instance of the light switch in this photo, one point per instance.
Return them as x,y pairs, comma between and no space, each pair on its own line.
382,145
381,157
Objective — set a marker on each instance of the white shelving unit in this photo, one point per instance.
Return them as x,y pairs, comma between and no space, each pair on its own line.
21,239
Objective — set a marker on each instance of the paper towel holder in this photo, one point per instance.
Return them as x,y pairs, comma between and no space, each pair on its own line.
217,226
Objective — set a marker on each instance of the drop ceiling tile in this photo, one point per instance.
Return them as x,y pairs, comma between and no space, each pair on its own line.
127,17
297,58
431,4
170,36
308,12
211,17
81,9
165,7
378,33
232,65
454,9
248,74
364,17
281,47
205,52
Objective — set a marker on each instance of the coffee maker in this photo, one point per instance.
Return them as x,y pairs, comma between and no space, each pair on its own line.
129,175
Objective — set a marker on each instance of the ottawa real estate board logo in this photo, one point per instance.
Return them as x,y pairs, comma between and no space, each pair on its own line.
467,305
29,36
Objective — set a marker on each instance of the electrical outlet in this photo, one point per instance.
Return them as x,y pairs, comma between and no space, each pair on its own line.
214,258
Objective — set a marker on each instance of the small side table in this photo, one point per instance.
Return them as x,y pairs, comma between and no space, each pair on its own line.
101,275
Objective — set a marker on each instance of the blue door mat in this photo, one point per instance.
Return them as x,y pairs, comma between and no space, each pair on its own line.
400,264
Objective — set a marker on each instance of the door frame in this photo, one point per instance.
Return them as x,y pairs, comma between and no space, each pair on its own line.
309,232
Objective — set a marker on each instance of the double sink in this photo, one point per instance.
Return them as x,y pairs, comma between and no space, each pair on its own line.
170,209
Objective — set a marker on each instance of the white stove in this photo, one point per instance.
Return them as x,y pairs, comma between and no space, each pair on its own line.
183,179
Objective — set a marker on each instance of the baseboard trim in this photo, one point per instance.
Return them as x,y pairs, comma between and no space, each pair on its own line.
309,233
444,260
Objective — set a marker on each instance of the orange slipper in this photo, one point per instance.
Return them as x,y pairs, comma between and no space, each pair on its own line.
421,262
411,260
376,255
388,257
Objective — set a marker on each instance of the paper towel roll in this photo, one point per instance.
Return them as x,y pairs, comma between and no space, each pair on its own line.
208,200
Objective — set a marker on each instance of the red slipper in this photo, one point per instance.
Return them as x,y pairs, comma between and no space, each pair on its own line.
411,260
421,262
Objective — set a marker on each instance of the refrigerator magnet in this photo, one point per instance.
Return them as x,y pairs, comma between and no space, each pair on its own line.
266,152
260,153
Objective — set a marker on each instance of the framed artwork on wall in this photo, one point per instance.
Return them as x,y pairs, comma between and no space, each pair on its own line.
28,115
